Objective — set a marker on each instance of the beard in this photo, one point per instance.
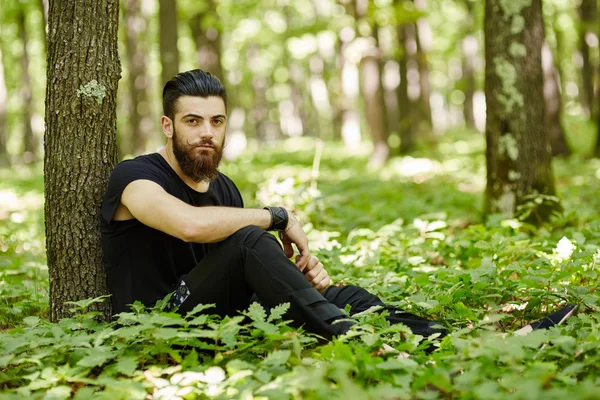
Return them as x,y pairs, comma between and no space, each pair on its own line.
197,165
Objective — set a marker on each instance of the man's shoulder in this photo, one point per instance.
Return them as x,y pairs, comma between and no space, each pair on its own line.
225,179
146,160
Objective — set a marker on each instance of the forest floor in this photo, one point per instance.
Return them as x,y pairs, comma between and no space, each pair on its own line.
410,232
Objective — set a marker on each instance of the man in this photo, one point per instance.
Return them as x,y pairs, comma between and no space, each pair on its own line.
172,222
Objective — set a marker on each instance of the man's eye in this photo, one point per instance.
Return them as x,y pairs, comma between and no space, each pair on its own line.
192,120
218,122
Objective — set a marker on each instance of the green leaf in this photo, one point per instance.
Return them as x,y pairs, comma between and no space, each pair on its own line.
277,357
256,312
95,357
198,309
58,393
405,364
127,365
5,360
83,305
278,312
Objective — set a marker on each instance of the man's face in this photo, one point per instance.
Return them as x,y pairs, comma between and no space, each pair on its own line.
199,136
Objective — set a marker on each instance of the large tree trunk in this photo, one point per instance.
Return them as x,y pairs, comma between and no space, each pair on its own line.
138,79
30,142
518,147
4,156
80,144
405,111
208,41
169,55
553,102
588,26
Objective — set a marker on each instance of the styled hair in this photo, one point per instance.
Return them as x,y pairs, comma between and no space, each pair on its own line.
191,83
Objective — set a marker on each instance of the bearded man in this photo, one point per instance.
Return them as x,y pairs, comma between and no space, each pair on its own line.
171,222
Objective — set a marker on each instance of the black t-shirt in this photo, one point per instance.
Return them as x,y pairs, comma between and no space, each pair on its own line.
143,263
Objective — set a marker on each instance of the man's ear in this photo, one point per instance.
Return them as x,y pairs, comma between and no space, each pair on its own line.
167,126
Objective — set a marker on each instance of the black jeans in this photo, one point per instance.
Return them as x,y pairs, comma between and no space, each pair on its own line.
251,261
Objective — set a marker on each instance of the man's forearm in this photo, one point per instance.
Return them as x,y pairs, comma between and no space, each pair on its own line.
214,224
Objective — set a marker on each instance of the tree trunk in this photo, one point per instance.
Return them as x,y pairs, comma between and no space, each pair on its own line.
4,156
553,102
30,143
372,92
208,41
138,79
80,145
518,147
405,111
469,52
43,5
423,40
597,149
169,55
588,15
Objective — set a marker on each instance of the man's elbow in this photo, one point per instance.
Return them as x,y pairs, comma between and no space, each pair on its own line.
192,232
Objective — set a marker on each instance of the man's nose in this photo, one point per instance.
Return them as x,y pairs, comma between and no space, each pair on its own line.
207,130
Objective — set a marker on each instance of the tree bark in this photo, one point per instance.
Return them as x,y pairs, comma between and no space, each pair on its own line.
589,21
30,142
80,144
138,79
553,102
169,55
208,40
4,156
518,148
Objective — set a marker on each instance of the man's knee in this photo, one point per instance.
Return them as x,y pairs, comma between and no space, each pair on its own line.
357,297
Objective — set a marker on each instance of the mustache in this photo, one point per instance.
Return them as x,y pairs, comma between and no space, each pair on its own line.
201,142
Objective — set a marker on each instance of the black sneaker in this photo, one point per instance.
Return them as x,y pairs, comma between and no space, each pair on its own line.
556,318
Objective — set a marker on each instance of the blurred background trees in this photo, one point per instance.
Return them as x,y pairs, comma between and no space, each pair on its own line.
394,73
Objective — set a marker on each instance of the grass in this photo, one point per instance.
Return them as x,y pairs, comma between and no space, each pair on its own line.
410,232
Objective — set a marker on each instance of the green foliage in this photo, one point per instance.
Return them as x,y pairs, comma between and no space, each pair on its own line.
409,233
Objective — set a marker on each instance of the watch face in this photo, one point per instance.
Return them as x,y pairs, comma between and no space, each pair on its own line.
181,294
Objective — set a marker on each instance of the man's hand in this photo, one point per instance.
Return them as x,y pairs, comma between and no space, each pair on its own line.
316,274
294,234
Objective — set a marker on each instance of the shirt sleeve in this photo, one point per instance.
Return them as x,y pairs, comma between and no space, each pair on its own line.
123,174
234,193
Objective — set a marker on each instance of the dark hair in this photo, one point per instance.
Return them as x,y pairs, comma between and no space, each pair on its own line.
191,83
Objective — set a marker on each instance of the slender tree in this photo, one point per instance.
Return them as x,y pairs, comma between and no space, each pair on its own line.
135,24
553,102
30,142
206,32
80,144
4,156
43,5
372,91
423,41
169,55
589,22
469,54
405,110
518,147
